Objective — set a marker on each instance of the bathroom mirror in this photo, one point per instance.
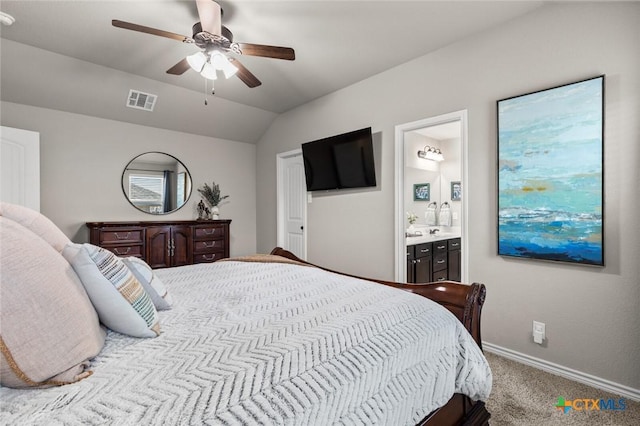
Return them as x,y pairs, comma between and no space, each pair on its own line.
156,183
439,174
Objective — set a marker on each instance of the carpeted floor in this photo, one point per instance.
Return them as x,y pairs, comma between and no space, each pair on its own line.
524,395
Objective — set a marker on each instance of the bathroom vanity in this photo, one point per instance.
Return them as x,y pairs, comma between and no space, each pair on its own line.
433,258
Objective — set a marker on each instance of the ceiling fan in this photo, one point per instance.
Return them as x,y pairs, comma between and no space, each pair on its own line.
215,40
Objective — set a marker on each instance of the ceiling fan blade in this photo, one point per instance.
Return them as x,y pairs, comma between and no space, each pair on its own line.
179,68
210,16
149,30
244,74
265,51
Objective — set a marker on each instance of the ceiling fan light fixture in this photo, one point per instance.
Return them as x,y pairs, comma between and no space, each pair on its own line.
6,19
208,71
214,40
229,70
217,59
221,62
197,61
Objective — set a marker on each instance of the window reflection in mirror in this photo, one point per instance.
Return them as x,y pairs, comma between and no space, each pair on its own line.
156,183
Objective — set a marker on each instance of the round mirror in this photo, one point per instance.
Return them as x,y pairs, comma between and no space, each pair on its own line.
156,183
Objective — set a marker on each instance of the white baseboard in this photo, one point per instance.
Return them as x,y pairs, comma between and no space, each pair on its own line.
568,373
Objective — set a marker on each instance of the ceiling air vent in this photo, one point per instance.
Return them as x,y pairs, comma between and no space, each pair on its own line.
141,100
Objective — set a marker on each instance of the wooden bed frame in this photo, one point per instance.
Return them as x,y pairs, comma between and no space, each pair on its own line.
465,302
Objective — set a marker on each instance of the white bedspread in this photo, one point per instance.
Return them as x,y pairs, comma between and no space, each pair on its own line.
255,343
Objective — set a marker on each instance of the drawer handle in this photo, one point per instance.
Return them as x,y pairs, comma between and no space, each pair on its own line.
117,251
440,247
424,250
455,244
204,256
206,244
440,261
209,231
122,237
440,279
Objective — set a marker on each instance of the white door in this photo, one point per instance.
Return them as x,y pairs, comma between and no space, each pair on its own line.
292,209
20,167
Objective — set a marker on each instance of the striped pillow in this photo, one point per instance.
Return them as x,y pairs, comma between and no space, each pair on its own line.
118,297
152,284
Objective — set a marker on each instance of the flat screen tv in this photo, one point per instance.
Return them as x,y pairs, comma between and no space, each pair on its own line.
340,161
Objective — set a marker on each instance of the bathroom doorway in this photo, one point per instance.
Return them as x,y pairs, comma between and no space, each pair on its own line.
432,179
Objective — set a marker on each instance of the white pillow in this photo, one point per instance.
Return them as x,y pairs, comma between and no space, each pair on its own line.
152,284
119,298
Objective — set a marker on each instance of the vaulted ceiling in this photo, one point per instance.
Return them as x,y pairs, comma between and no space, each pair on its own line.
66,55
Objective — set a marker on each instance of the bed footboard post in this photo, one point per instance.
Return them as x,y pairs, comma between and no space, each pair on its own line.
473,311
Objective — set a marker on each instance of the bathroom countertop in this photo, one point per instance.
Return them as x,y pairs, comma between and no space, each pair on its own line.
438,236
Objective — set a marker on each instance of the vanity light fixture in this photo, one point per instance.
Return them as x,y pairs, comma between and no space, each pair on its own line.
431,153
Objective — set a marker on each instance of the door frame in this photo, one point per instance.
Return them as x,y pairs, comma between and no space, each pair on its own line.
23,148
280,190
400,242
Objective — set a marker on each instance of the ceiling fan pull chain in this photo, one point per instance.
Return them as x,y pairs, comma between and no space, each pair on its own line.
205,92
213,90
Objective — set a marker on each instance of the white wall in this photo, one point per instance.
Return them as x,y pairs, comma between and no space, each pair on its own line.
82,159
591,314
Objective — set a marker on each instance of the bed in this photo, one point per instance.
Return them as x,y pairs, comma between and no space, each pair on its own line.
266,339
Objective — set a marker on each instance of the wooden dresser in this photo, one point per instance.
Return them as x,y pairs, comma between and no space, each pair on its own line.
164,244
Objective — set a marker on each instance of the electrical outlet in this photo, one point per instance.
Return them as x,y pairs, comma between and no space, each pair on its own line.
538,332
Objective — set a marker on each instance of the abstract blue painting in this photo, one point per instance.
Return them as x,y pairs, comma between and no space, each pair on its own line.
550,177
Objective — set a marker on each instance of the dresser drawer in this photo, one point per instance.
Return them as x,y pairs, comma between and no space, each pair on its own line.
423,250
207,257
440,262
208,232
121,236
125,251
454,244
440,275
208,246
440,247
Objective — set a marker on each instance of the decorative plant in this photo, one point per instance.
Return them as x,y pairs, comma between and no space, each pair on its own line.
211,194
412,218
